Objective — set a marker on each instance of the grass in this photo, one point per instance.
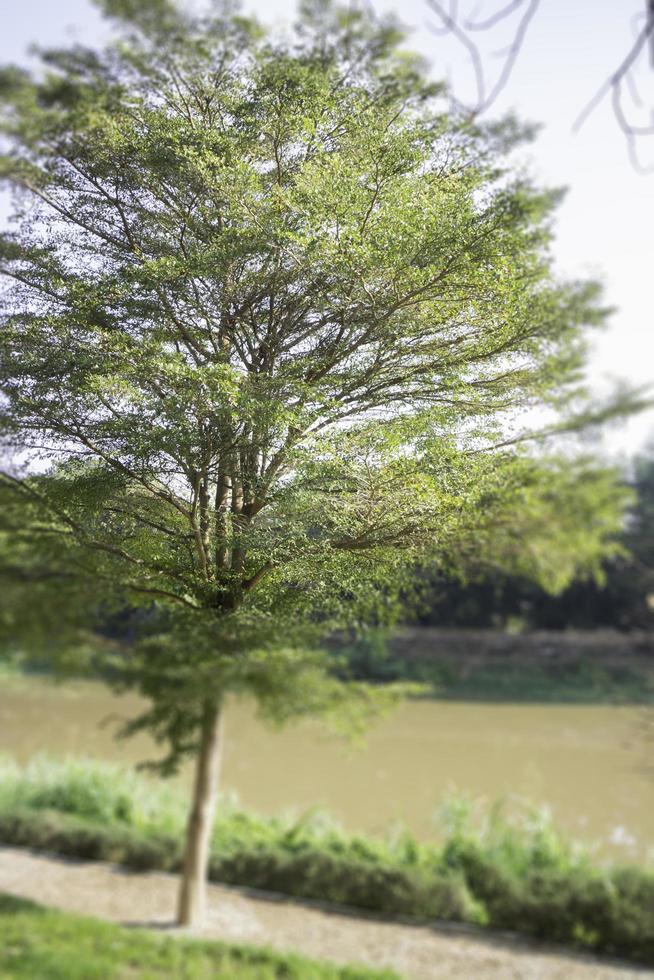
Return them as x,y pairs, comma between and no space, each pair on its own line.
42,944
98,791
500,869
581,682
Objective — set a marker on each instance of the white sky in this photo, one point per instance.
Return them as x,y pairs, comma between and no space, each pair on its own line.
606,224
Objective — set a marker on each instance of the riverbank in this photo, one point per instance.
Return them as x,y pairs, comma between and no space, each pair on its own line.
566,667
505,872
477,665
415,952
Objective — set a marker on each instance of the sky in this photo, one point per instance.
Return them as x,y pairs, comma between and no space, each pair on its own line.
605,226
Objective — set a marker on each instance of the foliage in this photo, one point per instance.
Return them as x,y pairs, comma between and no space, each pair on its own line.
98,792
40,942
621,596
505,868
272,321
529,879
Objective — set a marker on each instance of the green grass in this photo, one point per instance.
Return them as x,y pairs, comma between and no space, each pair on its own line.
496,868
42,944
98,791
581,682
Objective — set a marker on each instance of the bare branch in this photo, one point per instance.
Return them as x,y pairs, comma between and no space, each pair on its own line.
485,25
613,86
512,54
617,76
461,29
452,25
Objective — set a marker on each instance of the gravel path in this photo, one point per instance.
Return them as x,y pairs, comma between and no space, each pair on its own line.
421,952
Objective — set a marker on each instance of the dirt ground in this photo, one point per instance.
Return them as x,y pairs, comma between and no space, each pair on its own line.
421,952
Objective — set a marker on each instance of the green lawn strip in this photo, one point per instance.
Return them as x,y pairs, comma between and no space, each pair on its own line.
43,944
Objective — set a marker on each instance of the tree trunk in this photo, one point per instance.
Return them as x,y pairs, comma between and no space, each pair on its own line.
193,890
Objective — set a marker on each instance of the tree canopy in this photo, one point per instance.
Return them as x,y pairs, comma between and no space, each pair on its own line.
271,309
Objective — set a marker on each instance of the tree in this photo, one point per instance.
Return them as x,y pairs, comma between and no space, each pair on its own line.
271,316
634,579
619,594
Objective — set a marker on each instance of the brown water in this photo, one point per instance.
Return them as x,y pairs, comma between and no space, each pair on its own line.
590,764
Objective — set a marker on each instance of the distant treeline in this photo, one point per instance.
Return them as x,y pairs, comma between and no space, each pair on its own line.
623,600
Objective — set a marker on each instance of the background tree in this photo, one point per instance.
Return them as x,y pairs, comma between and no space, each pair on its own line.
271,317
620,594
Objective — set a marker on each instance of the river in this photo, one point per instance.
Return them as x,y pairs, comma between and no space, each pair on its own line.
589,764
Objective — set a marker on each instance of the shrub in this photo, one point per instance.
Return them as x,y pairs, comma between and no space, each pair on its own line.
77,837
632,928
315,873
